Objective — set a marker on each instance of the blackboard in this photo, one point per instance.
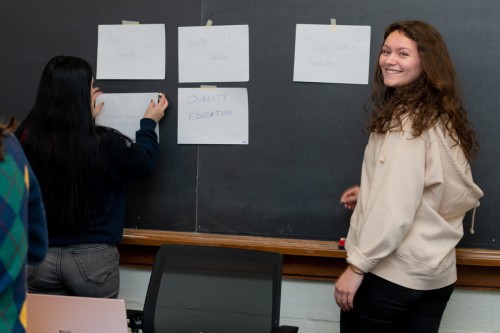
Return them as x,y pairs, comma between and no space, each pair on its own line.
306,139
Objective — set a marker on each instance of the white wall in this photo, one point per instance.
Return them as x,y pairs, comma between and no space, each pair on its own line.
310,305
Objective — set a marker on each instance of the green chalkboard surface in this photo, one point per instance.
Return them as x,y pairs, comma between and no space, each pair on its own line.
306,140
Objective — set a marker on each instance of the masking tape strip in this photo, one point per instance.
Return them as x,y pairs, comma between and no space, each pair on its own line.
208,87
333,24
129,22
209,23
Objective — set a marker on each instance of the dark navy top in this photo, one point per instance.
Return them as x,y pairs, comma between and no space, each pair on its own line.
125,162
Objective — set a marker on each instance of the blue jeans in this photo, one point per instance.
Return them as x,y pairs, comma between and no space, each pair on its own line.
383,306
89,270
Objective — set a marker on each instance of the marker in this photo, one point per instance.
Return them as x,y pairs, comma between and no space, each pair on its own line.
341,244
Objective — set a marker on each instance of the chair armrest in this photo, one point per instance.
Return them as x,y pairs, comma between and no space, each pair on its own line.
285,329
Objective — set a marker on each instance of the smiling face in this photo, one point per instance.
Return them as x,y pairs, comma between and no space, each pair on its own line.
399,60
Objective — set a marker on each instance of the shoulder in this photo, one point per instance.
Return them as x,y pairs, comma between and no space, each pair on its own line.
11,142
409,132
13,148
407,127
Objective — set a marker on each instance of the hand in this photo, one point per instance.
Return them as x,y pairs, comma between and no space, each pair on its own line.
157,111
349,197
95,109
345,289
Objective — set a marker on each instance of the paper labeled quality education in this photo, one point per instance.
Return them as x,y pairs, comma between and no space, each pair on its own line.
332,54
214,54
131,52
212,116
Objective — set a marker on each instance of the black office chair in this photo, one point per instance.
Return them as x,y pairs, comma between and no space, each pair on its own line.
212,290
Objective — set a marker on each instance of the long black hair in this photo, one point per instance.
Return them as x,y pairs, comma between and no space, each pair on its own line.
59,138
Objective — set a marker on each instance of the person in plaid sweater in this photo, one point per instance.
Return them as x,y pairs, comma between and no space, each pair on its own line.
23,229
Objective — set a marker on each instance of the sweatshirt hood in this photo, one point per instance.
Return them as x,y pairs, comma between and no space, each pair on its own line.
460,191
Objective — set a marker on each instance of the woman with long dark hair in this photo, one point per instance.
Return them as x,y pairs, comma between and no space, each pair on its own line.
82,169
416,186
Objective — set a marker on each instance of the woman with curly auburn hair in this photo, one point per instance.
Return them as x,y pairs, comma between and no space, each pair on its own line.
435,95
416,186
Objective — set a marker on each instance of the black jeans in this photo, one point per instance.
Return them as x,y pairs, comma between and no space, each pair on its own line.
383,306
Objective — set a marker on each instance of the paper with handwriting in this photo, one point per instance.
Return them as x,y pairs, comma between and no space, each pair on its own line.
131,52
214,54
212,116
332,53
124,111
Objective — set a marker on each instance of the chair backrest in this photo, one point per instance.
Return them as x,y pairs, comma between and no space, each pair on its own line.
213,290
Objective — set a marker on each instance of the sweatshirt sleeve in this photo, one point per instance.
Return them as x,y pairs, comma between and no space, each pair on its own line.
394,187
133,161
37,225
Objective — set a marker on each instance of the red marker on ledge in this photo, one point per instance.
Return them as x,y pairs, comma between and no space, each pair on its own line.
342,244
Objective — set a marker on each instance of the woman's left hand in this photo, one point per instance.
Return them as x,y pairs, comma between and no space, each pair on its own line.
345,289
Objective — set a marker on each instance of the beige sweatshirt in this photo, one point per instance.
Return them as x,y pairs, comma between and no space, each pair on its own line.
414,194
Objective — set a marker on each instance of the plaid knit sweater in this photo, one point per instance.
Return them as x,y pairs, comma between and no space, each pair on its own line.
23,233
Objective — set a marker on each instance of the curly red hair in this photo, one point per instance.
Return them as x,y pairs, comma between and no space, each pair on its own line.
435,95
